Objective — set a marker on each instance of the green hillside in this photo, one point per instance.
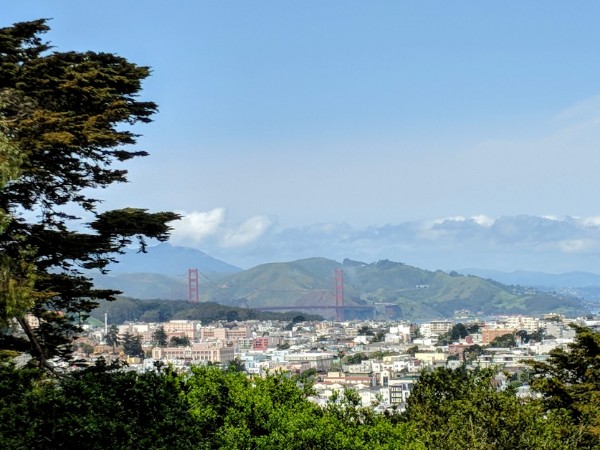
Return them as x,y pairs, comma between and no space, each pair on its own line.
128,309
304,282
383,288
145,285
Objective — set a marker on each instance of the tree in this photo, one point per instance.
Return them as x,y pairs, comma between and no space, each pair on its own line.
66,114
412,350
85,348
132,345
537,336
365,330
112,337
183,341
232,316
462,408
473,328
236,365
16,274
356,358
523,335
459,331
295,320
472,352
273,412
506,340
569,380
160,337
96,408
379,336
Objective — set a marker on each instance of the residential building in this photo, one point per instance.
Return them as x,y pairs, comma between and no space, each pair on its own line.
182,328
318,361
197,352
489,334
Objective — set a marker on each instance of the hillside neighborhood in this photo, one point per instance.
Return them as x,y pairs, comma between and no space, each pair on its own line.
378,360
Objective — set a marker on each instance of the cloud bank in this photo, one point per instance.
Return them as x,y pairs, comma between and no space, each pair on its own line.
212,228
506,243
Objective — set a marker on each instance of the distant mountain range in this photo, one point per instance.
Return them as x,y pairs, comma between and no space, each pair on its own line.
539,279
162,272
167,259
381,289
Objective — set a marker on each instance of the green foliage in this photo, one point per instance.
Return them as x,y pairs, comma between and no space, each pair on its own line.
160,337
177,341
132,345
212,408
236,412
94,409
112,337
237,365
570,381
506,340
16,273
535,336
459,331
128,309
295,320
473,328
356,358
64,120
365,331
17,281
464,409
308,282
472,352
412,350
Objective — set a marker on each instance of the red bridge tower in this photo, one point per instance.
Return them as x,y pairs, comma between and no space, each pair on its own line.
193,285
339,295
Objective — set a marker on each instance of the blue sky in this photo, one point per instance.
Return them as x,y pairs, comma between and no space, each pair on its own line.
292,129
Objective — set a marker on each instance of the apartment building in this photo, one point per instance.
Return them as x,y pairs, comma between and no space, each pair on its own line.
224,333
181,328
198,352
489,334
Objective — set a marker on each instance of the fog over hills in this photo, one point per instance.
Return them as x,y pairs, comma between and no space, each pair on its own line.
506,243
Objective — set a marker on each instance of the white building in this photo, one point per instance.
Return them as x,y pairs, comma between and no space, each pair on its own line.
318,361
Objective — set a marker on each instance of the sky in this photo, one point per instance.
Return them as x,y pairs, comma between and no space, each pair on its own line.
440,134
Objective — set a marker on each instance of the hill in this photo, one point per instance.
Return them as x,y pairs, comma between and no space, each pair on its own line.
539,279
167,259
384,289
146,285
162,272
130,309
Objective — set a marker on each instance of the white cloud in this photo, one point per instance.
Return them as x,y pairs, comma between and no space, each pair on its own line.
592,222
247,232
449,219
573,245
212,229
483,220
195,227
548,243
551,217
